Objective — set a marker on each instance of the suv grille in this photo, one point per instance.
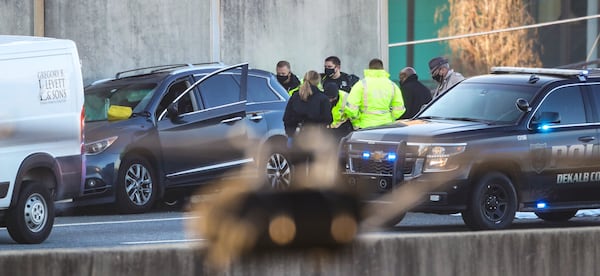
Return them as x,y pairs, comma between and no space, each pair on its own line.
380,160
375,167
406,158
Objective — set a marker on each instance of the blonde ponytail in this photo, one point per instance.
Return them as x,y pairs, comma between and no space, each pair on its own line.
310,78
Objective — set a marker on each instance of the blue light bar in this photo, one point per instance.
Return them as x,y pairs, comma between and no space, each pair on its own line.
541,205
391,156
366,155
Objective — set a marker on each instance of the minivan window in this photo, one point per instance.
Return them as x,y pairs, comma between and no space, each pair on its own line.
259,90
219,90
184,105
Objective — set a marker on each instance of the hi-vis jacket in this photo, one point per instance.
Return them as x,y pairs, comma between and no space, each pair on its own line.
337,111
374,101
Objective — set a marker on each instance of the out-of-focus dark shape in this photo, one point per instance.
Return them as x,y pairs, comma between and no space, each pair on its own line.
237,222
314,213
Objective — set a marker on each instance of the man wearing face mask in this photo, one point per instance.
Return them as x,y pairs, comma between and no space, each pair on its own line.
333,73
443,75
286,78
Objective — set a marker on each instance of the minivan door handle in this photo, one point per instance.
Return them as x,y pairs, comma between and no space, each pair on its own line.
231,120
256,117
587,138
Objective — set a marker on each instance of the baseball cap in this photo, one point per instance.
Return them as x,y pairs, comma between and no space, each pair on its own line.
436,62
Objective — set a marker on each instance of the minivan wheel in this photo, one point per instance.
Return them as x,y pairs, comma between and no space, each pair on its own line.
136,186
493,203
278,170
556,215
30,220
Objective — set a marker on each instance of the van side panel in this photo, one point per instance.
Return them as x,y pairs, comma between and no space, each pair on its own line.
40,112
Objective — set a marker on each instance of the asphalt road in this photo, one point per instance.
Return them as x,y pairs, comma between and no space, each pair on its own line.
89,228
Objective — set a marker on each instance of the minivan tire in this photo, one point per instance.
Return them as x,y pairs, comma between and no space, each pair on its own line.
137,186
276,168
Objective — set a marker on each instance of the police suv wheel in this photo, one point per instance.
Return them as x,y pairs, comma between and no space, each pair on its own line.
493,203
556,215
30,220
136,186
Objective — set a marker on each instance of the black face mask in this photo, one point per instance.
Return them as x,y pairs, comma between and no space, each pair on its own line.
439,78
329,71
282,79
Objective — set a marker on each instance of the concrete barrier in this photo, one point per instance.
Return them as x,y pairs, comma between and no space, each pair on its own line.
572,251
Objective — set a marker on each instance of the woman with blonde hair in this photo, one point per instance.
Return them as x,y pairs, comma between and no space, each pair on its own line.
308,106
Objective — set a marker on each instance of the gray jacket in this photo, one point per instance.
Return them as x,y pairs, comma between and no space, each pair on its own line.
450,80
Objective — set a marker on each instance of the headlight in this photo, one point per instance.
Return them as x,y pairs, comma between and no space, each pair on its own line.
100,145
439,157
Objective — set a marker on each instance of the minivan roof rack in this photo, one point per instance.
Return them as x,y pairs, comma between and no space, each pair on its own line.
159,68
582,74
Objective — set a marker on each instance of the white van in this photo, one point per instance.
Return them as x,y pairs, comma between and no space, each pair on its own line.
41,132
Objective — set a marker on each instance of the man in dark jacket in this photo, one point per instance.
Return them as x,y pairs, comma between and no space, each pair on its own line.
286,78
414,92
333,73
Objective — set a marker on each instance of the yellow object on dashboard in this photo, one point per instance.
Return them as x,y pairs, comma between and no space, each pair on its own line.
119,112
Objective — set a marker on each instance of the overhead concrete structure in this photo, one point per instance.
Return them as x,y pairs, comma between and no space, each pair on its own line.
116,35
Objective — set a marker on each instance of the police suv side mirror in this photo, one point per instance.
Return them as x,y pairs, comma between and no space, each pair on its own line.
523,105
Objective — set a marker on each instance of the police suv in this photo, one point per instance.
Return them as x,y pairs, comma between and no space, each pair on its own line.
518,139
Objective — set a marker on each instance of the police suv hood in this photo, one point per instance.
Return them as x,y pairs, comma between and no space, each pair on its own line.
420,130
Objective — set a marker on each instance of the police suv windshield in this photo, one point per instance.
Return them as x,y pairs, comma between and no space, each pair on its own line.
489,103
99,99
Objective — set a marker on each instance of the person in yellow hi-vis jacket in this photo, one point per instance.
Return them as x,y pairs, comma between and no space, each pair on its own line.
340,126
375,100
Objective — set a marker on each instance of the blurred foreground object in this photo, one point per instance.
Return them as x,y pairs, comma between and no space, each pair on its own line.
246,216
237,222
